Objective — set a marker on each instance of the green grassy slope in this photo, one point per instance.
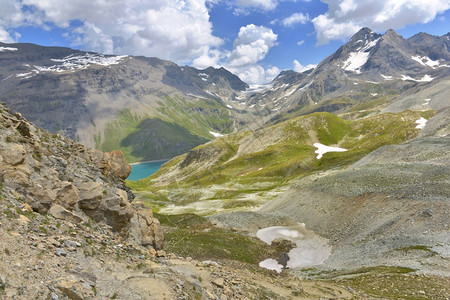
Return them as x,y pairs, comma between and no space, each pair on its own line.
179,126
258,163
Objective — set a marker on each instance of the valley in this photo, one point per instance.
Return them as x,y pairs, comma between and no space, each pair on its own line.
329,183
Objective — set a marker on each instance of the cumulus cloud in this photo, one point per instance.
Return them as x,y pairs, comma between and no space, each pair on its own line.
297,18
298,67
301,42
251,45
169,29
257,74
249,48
346,17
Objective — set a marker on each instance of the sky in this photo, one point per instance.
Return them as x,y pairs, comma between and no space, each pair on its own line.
254,39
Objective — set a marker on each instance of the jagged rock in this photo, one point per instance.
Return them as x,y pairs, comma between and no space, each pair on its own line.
74,289
90,195
13,154
60,212
67,195
55,175
117,210
117,164
146,230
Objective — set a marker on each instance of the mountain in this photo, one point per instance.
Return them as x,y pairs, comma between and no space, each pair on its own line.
371,72
131,103
100,100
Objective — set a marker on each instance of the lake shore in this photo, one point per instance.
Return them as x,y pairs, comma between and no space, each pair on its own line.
148,161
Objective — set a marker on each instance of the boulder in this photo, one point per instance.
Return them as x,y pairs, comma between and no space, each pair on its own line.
90,195
13,154
67,195
146,230
61,213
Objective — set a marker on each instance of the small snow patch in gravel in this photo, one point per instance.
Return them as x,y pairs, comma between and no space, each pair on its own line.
271,264
421,123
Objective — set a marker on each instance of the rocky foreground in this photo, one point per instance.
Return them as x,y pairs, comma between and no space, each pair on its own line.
69,230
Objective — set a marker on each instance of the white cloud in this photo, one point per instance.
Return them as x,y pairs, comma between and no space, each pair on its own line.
345,17
256,74
5,37
242,6
209,59
297,18
298,67
170,29
299,43
329,29
251,45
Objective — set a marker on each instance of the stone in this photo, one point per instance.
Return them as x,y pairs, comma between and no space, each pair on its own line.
61,213
25,207
74,290
13,154
90,195
218,282
61,252
67,195
146,230
160,253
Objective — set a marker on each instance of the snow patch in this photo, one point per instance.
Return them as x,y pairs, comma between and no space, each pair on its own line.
271,264
267,235
229,106
374,94
355,61
8,49
79,62
216,134
425,78
426,61
386,77
373,82
421,123
322,149
310,249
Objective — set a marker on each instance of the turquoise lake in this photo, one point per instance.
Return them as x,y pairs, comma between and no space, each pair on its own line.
143,170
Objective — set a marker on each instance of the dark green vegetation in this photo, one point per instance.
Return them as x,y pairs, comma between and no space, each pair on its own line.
261,161
194,236
179,126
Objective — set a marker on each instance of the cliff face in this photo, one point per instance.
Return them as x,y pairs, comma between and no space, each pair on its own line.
55,175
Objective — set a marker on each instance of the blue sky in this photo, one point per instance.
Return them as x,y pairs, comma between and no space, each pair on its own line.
255,39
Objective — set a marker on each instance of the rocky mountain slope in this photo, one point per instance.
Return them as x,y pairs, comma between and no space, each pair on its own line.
371,72
47,173
100,100
404,191
131,103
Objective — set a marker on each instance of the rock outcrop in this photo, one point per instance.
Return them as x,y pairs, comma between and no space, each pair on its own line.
56,175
